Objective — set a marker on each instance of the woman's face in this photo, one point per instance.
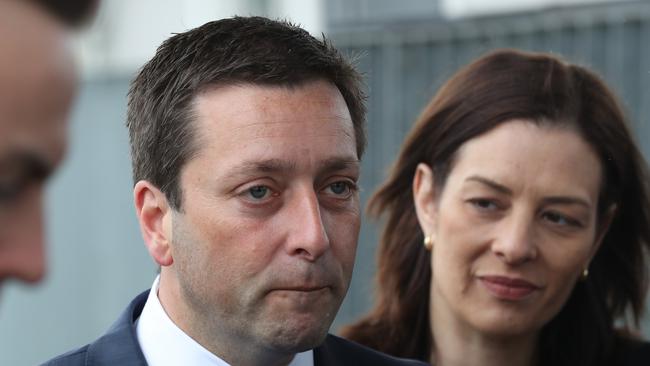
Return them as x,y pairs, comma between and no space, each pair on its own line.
513,227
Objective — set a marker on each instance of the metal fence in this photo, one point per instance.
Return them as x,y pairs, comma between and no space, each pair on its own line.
406,63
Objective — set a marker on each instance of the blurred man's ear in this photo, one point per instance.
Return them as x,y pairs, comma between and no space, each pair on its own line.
155,218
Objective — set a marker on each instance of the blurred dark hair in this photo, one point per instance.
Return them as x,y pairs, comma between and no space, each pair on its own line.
253,50
496,88
71,12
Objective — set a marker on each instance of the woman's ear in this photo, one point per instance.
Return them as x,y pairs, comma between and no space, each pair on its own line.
154,215
603,226
424,197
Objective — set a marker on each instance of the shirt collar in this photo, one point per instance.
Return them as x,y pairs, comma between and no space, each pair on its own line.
165,344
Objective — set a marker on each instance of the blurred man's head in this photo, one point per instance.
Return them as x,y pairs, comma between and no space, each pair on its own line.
37,86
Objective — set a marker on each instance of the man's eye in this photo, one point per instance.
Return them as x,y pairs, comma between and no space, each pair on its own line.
10,192
258,192
341,188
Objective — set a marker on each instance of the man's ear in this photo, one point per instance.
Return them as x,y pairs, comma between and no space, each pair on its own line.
424,197
154,215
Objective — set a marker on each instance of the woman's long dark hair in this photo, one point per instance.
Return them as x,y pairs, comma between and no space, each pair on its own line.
499,87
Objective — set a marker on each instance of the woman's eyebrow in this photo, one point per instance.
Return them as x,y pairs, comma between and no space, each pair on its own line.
490,183
567,200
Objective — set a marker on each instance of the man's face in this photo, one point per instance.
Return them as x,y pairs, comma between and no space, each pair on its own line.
36,89
264,245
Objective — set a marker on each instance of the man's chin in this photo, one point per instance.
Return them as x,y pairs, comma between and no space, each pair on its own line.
300,343
297,323
294,336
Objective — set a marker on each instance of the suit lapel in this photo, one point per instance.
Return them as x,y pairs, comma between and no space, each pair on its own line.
119,346
326,355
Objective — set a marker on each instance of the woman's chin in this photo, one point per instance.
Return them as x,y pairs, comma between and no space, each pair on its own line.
506,325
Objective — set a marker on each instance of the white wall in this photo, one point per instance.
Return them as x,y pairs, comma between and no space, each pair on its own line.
126,33
461,8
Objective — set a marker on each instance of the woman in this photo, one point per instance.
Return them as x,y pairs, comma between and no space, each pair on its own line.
518,224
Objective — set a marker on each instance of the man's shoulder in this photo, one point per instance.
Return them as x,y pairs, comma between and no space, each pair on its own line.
72,358
118,346
339,351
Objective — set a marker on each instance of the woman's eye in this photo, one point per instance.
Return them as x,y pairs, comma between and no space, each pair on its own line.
484,204
560,219
258,192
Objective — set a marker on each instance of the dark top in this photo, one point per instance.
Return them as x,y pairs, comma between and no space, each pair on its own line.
119,346
632,352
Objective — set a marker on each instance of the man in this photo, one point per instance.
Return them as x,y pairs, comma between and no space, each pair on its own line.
37,85
246,136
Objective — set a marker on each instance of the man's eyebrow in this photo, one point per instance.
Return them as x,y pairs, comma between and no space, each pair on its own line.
265,166
26,164
339,163
490,183
279,165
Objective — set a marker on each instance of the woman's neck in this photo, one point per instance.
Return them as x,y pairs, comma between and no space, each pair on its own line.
457,344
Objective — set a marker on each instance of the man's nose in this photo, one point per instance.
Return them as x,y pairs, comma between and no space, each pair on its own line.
514,242
22,253
307,235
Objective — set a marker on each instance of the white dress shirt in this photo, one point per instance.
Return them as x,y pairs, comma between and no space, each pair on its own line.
165,344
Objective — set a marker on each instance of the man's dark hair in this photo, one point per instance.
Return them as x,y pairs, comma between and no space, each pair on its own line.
249,50
71,12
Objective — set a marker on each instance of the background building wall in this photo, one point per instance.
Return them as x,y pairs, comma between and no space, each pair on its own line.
97,259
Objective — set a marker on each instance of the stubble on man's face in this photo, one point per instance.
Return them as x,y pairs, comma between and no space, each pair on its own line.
265,244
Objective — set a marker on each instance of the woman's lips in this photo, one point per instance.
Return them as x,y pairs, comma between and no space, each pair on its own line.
507,288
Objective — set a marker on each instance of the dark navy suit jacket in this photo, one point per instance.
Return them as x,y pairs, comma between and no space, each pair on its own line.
119,346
